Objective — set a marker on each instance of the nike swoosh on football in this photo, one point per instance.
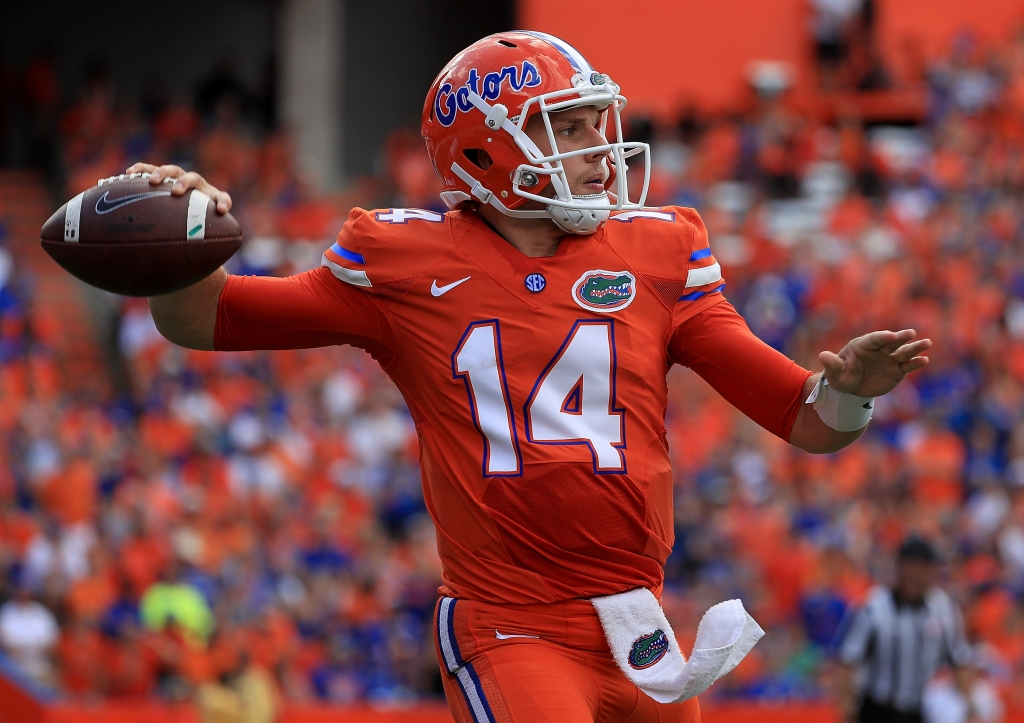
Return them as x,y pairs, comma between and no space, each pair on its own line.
501,636
103,205
436,290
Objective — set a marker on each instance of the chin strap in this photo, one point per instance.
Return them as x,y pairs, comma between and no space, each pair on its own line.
581,222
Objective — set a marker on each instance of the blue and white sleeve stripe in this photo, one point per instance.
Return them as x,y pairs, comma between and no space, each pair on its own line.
339,260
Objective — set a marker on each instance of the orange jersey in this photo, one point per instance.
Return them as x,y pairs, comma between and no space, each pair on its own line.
537,385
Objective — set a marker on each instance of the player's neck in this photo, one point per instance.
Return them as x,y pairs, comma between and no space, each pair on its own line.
534,237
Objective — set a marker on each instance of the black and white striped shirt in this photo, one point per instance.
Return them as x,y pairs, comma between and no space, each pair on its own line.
898,647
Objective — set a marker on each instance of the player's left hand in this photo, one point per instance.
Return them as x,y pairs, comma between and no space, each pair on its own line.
873,364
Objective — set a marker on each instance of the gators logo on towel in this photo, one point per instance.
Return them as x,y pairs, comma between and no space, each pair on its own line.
604,291
648,650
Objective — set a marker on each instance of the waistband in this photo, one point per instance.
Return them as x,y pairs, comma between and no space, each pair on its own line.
466,628
572,623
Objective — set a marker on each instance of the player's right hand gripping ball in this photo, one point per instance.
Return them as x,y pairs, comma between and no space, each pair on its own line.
133,238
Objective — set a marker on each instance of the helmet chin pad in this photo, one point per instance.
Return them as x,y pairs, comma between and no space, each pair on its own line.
580,221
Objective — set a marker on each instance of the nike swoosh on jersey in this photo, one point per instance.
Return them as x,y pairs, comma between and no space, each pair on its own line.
436,290
501,636
104,206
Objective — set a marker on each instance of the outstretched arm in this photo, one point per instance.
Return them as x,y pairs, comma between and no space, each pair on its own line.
188,317
772,390
868,366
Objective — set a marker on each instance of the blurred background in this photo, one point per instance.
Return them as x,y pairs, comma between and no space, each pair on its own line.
177,527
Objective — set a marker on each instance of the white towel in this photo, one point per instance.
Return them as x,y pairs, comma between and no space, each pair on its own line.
645,647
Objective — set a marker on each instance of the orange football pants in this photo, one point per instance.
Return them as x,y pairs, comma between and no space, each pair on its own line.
538,663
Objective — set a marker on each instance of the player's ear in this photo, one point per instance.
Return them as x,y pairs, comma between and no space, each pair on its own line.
479,158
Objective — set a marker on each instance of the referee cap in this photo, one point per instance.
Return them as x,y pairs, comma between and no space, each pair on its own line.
915,547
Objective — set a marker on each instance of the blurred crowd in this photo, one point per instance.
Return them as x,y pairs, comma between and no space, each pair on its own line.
235,513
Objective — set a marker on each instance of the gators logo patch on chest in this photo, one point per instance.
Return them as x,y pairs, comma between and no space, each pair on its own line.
604,291
648,650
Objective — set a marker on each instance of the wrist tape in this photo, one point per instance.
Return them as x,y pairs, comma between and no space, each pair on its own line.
841,411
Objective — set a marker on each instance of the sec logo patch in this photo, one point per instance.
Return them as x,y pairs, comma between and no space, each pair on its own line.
535,283
604,291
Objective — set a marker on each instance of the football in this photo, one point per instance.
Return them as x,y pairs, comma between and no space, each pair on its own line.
129,237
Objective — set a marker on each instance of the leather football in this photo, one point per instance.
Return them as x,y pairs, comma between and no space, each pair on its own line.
132,238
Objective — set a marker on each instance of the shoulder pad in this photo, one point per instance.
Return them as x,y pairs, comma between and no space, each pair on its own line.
383,247
668,246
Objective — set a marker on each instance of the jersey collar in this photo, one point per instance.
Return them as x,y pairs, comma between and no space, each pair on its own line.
509,266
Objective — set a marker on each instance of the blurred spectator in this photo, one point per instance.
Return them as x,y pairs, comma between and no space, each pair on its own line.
172,603
28,635
832,28
245,694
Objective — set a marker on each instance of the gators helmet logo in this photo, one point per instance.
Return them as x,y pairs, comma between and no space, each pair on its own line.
648,650
604,291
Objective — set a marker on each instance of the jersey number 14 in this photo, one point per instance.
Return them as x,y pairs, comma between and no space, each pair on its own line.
573,401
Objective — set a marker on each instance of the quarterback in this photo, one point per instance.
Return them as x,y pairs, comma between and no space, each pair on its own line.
530,329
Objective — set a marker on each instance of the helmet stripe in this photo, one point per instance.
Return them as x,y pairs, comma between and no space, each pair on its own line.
575,58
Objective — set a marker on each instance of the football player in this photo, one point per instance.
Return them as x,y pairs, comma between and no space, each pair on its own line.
530,329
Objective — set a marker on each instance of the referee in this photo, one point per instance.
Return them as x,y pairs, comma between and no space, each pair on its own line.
894,643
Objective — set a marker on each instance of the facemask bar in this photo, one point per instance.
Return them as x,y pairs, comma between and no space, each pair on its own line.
606,95
619,153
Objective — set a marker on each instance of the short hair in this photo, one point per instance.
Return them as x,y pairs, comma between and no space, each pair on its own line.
915,547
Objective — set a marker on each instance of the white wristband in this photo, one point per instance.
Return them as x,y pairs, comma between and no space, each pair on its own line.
839,410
